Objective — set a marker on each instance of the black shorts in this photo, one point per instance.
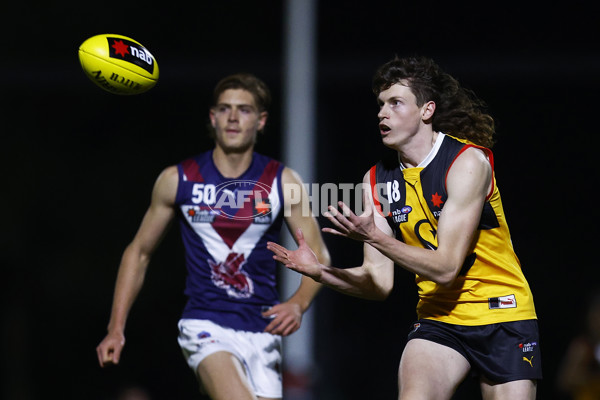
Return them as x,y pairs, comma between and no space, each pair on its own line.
502,352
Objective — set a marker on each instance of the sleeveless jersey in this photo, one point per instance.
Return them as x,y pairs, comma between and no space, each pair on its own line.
490,287
225,225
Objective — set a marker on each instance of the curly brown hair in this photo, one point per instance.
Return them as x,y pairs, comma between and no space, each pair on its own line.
458,110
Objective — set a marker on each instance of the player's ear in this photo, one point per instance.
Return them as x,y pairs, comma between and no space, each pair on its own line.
262,120
211,116
427,110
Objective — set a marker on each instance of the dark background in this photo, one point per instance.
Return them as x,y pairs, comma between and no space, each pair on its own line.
78,165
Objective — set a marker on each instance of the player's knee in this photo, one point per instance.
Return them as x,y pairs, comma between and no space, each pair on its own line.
222,376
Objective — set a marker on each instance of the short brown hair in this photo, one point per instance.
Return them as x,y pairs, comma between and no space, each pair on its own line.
245,81
259,90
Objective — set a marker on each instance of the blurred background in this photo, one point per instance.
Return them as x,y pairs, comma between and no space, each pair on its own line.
78,165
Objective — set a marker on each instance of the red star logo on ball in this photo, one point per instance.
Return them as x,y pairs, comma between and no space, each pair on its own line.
436,199
120,48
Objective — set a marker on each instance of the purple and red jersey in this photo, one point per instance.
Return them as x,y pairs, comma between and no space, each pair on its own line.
225,225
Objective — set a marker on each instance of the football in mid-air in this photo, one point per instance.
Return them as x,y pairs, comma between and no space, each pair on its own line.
118,64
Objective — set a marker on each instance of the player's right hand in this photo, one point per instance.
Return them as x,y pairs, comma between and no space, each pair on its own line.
302,260
109,350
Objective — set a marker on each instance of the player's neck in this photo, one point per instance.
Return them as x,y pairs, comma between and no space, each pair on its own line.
232,164
413,153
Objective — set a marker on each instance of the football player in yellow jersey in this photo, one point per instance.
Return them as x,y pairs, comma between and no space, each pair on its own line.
436,211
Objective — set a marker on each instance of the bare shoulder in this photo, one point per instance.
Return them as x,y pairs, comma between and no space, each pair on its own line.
471,170
474,157
290,176
165,187
169,175
472,160
367,178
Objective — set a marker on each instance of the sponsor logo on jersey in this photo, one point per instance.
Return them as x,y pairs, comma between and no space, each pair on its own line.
529,360
262,211
502,302
401,215
131,52
527,347
197,215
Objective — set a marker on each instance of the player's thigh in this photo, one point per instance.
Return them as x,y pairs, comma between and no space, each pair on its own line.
222,377
514,390
429,370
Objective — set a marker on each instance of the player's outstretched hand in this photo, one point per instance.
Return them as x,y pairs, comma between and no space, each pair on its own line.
302,260
350,225
109,350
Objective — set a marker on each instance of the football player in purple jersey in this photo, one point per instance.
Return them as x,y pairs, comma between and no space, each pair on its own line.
229,202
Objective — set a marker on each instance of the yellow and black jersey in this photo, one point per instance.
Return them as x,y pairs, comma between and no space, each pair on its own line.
490,287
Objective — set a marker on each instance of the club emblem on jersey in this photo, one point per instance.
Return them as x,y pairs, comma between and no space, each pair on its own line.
228,275
426,234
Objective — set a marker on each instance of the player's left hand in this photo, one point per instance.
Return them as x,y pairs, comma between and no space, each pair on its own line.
287,318
350,225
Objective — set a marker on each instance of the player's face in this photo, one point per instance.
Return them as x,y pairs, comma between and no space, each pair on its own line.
399,116
236,120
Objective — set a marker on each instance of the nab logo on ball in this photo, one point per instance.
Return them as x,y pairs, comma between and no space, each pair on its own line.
118,64
129,51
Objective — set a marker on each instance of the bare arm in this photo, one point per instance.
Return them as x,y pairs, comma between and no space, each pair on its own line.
134,263
372,280
468,183
298,216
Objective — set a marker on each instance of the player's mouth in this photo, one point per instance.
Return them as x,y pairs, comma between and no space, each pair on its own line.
384,129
